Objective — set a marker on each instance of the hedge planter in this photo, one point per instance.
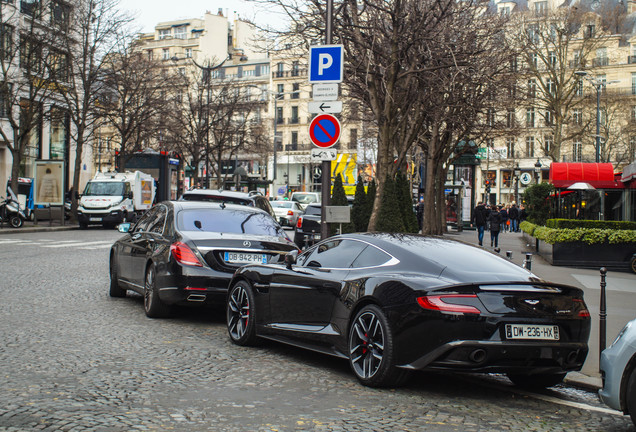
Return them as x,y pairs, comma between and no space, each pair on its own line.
578,254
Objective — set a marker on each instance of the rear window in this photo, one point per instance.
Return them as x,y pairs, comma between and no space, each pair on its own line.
228,221
304,198
216,199
313,210
282,204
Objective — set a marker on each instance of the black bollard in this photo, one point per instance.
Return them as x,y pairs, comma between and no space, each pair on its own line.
509,255
527,264
602,327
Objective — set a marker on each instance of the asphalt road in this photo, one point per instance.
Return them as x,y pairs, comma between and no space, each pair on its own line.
74,359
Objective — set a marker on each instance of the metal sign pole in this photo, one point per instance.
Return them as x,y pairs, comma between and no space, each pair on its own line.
326,165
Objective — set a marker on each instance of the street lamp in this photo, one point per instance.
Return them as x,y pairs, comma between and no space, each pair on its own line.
537,169
517,173
597,84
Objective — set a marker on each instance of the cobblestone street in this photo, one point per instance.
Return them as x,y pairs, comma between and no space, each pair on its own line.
74,359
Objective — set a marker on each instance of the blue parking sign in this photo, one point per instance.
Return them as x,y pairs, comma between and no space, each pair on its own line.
326,63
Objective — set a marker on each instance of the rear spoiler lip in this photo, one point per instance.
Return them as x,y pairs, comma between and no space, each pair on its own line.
493,286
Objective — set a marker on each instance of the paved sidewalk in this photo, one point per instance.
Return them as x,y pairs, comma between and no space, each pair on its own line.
41,226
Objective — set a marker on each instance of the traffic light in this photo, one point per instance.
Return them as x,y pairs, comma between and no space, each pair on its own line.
487,186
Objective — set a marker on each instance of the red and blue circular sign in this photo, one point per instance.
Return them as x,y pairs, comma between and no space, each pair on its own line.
324,130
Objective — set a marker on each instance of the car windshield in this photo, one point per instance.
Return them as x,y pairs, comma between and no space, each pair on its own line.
281,204
228,221
104,188
305,198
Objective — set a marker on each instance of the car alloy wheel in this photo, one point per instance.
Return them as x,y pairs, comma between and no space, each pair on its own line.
371,350
240,314
15,221
153,306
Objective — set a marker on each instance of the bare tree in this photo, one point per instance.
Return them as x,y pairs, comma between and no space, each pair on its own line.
133,98
26,83
93,35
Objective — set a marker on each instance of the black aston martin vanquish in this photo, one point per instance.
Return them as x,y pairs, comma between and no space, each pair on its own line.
395,303
184,253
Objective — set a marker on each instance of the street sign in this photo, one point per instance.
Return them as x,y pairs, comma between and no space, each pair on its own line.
318,154
326,63
332,107
324,130
325,92
338,214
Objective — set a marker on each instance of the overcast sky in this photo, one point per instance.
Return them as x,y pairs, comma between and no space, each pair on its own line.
151,12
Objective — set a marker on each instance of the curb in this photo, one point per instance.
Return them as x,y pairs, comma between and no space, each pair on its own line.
577,379
35,229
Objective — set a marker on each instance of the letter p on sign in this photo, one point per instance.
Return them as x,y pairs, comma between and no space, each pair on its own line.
326,63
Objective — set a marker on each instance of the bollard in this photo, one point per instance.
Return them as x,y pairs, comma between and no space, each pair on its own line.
509,255
527,264
602,314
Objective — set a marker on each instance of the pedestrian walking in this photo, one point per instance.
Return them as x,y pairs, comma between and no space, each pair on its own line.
420,213
504,218
495,226
479,220
513,214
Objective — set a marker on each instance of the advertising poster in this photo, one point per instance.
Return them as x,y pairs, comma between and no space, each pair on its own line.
49,182
146,192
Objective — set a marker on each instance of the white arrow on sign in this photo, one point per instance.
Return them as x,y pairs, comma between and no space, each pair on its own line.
320,154
320,107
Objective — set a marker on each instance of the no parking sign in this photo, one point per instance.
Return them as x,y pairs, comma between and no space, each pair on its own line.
324,130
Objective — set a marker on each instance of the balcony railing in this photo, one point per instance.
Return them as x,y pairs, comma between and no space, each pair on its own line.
290,73
600,61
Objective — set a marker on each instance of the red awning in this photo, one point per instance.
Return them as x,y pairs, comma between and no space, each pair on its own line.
599,175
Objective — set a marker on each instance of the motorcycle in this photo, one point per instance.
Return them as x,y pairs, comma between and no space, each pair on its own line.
10,211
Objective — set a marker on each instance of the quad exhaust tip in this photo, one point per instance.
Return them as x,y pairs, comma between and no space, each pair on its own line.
478,355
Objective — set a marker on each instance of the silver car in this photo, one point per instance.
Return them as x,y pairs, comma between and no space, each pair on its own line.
618,369
287,212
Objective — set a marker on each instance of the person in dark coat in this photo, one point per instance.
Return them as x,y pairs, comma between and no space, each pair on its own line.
420,213
504,218
495,219
479,220
513,214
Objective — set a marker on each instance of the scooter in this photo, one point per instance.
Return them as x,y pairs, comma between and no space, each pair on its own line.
10,211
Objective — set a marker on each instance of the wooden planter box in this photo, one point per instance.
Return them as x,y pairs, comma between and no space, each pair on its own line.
583,255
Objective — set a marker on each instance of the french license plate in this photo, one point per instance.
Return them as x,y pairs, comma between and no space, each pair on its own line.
530,331
244,258
95,219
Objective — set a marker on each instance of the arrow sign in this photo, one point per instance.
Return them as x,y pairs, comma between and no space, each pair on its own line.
332,107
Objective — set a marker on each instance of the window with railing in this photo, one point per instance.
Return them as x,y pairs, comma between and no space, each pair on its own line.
295,68
530,146
510,147
294,140
60,13
549,118
30,55
281,90
5,107
279,115
532,88
280,70
577,117
510,118
353,138
551,86
548,143
180,32
188,53
31,7
294,115
490,117
296,91
6,41
577,152
634,83
540,8
530,117
552,59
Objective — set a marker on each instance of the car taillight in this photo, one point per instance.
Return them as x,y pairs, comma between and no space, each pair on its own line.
184,255
583,313
445,303
299,224
290,213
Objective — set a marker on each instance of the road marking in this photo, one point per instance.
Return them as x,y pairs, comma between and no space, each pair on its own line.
77,244
613,283
104,246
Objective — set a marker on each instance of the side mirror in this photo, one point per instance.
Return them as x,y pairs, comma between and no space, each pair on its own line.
290,259
129,195
124,227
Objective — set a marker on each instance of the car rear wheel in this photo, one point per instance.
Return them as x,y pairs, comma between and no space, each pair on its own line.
153,306
630,396
240,315
115,289
633,265
372,350
536,381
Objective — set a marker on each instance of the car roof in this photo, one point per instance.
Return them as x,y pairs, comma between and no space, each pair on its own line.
231,194
194,205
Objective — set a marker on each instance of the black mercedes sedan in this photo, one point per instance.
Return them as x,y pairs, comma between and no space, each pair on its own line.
184,253
391,304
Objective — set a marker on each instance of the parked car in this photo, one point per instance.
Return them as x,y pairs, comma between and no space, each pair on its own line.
391,304
184,253
305,198
307,230
618,369
287,212
254,199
